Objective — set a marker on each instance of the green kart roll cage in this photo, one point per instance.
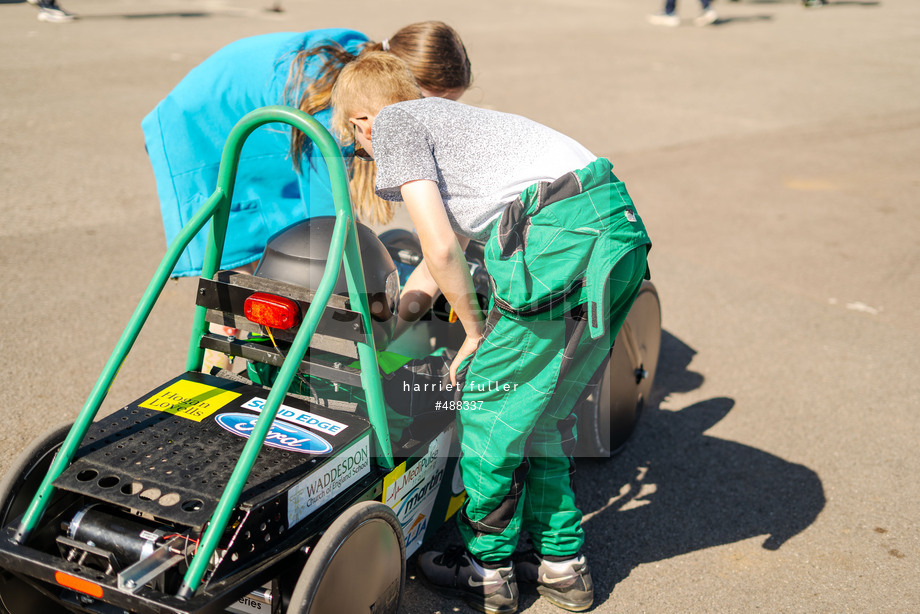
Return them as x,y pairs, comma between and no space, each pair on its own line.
344,247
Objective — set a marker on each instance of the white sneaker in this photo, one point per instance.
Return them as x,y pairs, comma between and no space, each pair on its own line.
566,584
671,20
49,11
706,18
454,572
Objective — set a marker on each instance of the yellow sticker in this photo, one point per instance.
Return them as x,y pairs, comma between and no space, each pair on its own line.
389,496
190,400
456,502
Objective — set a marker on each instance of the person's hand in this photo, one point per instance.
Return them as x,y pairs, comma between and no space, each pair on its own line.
466,349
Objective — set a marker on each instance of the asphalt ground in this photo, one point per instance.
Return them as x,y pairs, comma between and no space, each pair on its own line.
774,158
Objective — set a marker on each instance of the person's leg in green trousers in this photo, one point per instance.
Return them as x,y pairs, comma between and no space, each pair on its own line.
519,388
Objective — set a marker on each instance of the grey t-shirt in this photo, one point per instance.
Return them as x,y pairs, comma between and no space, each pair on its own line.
480,159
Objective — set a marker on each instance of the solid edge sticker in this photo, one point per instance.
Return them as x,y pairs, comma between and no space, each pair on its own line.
298,417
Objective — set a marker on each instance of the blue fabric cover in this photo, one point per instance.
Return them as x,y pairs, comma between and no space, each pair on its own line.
185,135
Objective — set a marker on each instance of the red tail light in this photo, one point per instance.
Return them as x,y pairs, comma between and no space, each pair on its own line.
272,311
78,584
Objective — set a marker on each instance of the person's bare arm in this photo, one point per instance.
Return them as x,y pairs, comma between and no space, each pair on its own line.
445,261
417,296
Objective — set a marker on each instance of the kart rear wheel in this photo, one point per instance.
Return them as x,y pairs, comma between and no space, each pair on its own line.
18,487
608,418
358,565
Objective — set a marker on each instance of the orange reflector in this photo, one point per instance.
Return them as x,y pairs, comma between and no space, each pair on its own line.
272,311
78,584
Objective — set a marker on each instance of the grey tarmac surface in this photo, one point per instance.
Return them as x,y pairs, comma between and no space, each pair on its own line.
774,158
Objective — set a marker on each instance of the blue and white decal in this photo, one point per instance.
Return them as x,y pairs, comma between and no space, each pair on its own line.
282,436
412,492
336,475
417,497
299,417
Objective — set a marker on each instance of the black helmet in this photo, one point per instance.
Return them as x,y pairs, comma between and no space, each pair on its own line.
298,254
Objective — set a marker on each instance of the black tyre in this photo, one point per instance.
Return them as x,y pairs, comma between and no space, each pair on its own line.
358,565
17,488
608,417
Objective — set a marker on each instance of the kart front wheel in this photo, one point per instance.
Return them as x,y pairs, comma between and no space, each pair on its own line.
358,565
16,491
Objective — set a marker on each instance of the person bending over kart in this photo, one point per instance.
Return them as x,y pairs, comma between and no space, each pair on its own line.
566,251
185,133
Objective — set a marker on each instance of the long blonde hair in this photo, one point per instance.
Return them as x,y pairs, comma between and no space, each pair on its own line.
373,81
435,56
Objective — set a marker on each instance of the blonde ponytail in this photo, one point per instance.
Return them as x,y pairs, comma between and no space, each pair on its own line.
370,208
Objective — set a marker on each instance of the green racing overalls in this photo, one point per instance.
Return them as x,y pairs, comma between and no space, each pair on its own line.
566,261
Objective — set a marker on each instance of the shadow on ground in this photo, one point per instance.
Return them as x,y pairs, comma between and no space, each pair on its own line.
724,21
163,15
829,3
675,489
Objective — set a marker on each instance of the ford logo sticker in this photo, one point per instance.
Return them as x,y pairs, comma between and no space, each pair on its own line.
282,436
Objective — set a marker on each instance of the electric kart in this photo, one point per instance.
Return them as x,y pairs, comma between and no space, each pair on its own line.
298,485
